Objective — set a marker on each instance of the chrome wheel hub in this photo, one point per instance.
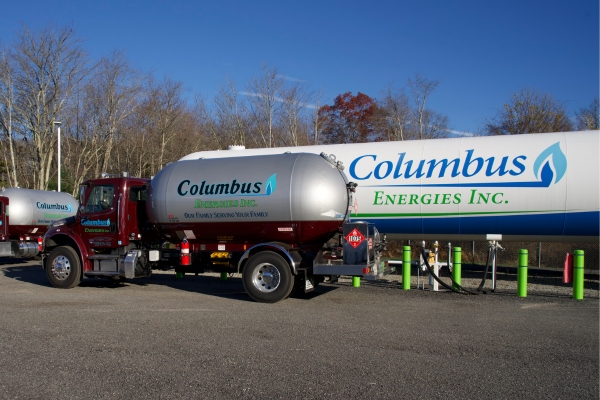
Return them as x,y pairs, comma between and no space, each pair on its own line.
266,277
61,268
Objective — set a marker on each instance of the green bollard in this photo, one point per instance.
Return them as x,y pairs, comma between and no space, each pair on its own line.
356,281
223,276
406,268
456,266
522,273
578,274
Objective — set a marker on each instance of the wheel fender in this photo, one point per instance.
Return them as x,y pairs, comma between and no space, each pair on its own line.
292,258
64,239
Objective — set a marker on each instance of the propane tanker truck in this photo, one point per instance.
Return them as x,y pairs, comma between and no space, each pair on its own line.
24,216
287,217
267,217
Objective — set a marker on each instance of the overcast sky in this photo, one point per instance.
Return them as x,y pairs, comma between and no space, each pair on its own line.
482,52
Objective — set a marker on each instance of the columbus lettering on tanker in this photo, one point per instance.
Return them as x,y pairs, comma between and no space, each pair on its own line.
234,188
471,166
238,194
476,180
55,206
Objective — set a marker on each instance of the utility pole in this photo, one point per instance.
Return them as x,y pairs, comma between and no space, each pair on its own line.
58,124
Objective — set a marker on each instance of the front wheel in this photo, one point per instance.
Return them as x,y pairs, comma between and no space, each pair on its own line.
267,277
63,268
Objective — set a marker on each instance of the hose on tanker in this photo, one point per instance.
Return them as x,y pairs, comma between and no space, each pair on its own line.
485,271
455,287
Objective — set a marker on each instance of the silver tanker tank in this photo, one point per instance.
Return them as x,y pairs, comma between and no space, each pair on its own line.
293,198
29,214
31,211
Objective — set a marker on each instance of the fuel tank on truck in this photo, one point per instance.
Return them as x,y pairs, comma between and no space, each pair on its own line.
31,211
299,199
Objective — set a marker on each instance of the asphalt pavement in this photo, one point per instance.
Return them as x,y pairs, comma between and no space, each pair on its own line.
200,337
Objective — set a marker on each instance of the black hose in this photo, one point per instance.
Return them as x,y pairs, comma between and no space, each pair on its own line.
485,271
455,287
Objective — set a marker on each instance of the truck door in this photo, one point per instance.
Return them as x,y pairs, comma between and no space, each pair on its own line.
99,216
137,219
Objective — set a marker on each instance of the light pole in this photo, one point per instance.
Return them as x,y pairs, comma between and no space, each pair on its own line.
58,123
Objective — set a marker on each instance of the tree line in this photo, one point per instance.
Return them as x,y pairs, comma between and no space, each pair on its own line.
115,117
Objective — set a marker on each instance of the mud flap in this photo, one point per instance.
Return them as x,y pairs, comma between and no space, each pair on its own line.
308,283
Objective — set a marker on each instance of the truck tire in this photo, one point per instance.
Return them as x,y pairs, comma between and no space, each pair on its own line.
63,268
267,277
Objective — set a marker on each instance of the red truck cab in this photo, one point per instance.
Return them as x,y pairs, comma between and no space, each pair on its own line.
110,221
109,212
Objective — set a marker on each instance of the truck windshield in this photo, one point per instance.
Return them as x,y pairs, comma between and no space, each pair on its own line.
100,198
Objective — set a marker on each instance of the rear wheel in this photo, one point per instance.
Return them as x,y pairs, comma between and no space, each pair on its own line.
63,268
267,277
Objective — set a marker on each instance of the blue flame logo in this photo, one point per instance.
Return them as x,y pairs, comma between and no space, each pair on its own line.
559,161
271,184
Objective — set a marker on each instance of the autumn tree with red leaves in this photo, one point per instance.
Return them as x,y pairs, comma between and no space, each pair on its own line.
349,120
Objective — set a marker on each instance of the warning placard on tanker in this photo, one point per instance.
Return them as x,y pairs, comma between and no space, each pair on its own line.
355,238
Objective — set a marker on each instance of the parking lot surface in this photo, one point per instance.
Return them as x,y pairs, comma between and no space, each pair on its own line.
200,337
